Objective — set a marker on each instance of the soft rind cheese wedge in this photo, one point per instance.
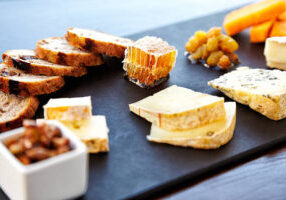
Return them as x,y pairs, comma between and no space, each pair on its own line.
262,90
75,111
178,108
209,136
94,134
275,51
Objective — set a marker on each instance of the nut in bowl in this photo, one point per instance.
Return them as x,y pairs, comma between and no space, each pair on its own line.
57,175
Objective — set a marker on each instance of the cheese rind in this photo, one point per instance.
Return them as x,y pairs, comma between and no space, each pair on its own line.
263,90
178,108
76,111
209,136
274,51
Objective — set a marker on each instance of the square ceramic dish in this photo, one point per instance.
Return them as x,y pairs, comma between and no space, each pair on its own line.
64,176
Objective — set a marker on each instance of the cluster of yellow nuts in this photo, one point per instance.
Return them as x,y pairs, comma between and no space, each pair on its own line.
213,47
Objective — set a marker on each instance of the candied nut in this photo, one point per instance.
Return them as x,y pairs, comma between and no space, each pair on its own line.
224,62
214,57
29,123
16,148
24,159
38,142
37,153
26,143
60,142
31,134
63,149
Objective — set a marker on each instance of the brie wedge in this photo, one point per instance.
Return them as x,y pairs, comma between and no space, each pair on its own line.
209,136
274,51
263,90
178,108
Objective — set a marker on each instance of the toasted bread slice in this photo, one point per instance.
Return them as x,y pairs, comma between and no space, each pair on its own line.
13,109
26,60
18,82
209,136
58,50
98,42
262,90
178,108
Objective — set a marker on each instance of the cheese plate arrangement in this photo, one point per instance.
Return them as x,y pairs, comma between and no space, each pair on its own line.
150,110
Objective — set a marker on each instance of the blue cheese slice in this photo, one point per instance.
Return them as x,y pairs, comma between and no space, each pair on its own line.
178,108
262,90
209,136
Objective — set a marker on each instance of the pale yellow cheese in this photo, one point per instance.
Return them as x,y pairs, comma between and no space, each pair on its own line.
178,108
209,136
275,51
76,111
94,134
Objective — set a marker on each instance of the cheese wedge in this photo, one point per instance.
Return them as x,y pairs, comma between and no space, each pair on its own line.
76,114
75,111
209,136
94,134
178,108
274,51
263,90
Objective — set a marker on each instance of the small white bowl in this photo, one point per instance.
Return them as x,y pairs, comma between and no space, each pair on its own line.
63,176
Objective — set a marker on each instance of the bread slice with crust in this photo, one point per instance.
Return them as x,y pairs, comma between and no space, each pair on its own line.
58,50
18,82
13,109
26,60
97,41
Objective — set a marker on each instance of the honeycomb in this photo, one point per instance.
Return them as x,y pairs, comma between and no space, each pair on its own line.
148,60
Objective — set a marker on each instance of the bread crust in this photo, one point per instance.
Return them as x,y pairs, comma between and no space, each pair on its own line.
111,45
23,60
26,113
14,84
74,57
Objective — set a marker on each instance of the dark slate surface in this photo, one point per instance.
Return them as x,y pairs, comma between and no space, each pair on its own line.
135,166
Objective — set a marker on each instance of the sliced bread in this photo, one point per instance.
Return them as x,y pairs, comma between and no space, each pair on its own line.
98,42
178,108
26,60
13,109
18,82
209,136
58,50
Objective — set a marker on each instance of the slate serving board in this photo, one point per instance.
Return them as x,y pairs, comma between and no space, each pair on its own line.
135,167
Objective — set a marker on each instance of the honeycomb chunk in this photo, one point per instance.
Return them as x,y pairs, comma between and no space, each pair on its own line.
149,60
